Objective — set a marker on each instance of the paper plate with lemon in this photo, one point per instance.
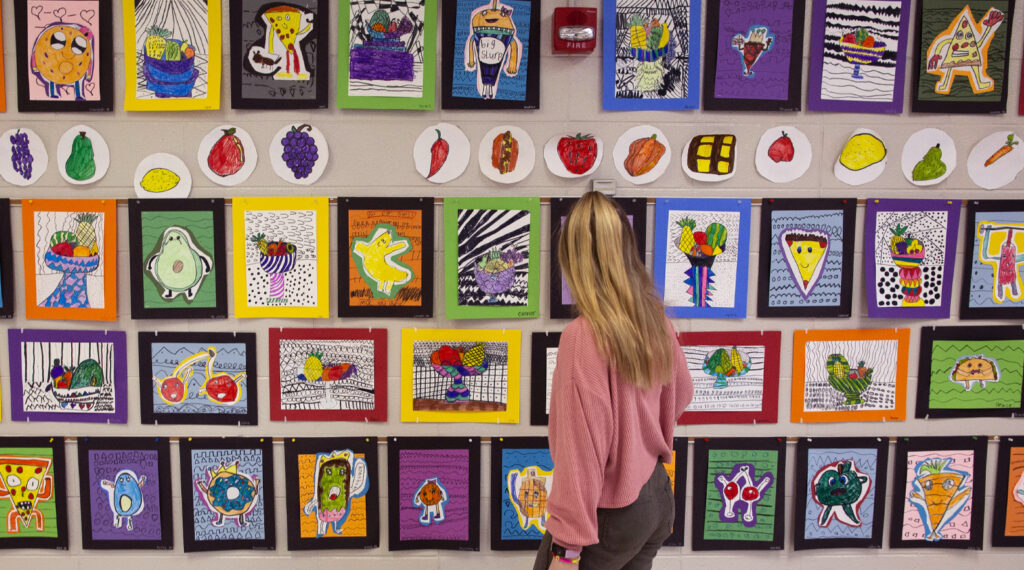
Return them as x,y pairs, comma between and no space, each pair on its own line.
162,175
862,158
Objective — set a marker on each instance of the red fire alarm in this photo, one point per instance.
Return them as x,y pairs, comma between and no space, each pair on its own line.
574,30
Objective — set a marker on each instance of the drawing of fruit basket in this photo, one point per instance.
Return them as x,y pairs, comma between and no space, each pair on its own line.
861,48
384,56
648,40
701,249
76,387
74,254
276,258
908,254
456,363
851,383
495,273
168,65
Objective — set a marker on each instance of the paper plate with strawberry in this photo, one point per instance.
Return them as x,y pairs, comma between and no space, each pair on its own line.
573,155
783,155
227,155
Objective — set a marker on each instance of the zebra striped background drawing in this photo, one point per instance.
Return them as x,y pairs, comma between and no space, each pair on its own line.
494,263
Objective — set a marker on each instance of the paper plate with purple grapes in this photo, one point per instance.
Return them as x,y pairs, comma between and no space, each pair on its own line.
298,153
23,158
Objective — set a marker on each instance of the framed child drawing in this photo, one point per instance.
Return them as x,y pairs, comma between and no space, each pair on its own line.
491,54
6,261
65,55
994,243
70,259
279,54
34,494
1008,515
387,54
173,50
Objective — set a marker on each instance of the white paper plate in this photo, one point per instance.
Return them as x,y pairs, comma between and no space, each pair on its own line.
554,161
918,145
277,151
458,152
621,151
163,160
248,154
36,149
524,163
784,170
1004,169
866,174
707,177
100,153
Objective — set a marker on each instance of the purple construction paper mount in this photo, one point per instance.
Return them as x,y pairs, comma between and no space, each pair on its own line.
18,336
814,70
940,311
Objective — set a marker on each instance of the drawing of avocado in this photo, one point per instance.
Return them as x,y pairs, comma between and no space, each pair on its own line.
179,266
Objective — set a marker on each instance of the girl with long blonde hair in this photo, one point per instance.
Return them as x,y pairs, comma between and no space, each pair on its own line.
620,384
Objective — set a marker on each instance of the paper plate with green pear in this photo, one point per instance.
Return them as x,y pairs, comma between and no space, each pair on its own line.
82,155
929,157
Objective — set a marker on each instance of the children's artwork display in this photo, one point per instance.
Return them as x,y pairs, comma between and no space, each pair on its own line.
441,153
492,257
855,375
754,55
910,249
491,54
701,256
227,155
506,154
83,156
738,493
561,301
24,160
387,54
177,252
840,492
162,175
521,474
299,154
1008,516
227,493
385,257
970,372
68,375
806,262
858,55
65,54
70,259
328,374
963,56
332,493
938,493
174,55
543,357
460,375
992,284
783,154
125,485
34,493
992,163
862,159
651,54
204,378
279,54
6,261
642,154
929,157
573,156
281,257
433,493
735,377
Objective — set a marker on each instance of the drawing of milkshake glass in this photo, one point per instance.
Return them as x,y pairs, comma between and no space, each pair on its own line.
860,48
701,249
649,42
276,258
851,383
457,363
382,55
908,253
757,42
496,272
74,253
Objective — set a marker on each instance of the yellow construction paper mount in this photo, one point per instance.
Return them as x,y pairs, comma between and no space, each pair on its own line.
281,253
460,375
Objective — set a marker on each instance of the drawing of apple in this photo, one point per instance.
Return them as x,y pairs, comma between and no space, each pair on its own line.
227,155
782,149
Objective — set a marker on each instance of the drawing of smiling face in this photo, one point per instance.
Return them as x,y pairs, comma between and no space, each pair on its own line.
63,53
500,18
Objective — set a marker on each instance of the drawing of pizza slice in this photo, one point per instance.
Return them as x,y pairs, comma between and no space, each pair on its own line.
285,21
25,481
805,251
963,51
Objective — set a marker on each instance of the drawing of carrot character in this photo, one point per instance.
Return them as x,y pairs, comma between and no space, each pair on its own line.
939,494
1007,276
492,42
962,49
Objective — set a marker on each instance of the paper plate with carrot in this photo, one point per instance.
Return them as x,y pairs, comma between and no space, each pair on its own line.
996,160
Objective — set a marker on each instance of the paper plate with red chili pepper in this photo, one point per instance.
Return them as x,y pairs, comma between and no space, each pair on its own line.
573,155
783,155
507,154
441,153
642,154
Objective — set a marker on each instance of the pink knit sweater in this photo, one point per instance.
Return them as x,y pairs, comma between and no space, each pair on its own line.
606,436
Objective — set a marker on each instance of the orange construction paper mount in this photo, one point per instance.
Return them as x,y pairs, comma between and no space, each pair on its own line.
70,249
850,375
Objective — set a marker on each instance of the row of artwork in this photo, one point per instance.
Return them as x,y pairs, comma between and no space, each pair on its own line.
332,493
387,54
491,251
473,375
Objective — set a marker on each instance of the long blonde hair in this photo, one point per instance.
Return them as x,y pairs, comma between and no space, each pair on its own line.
598,256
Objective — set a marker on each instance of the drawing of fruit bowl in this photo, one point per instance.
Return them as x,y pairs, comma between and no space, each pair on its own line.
860,48
276,266
495,273
76,387
456,363
169,66
71,291
851,383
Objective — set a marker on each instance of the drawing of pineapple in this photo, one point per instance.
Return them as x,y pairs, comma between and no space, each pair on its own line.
701,249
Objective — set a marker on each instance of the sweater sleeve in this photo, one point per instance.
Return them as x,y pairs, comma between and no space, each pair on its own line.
580,436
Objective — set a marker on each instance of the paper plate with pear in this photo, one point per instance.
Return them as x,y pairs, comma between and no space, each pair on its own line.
929,157
82,155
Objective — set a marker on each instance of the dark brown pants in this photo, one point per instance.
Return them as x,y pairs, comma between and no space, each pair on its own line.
629,536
